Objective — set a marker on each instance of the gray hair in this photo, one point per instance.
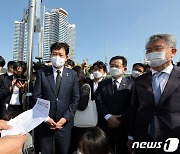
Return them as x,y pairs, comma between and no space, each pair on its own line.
170,40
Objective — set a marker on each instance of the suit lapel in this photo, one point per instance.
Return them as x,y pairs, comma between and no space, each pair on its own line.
124,84
146,83
50,77
64,79
110,86
172,84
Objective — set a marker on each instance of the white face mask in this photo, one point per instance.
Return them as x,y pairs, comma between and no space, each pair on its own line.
115,71
135,74
91,76
97,74
57,61
156,59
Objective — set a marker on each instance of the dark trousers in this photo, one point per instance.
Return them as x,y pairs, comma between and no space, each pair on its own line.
54,141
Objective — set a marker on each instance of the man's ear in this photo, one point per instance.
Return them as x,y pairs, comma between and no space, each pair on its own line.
66,58
173,50
125,69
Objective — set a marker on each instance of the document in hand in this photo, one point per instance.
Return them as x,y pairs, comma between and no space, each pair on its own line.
29,119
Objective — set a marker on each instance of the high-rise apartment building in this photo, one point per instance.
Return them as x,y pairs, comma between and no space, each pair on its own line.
72,40
20,40
55,29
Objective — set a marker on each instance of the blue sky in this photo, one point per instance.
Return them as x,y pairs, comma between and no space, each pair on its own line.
104,27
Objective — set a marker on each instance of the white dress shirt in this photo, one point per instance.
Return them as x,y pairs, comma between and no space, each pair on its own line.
118,84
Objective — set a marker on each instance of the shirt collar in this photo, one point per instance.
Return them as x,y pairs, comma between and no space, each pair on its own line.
118,80
167,70
55,69
9,74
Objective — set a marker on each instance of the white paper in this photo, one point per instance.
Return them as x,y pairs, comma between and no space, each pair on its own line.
29,119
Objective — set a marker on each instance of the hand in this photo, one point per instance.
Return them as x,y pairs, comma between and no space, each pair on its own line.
12,84
12,144
113,121
4,125
129,145
51,123
21,85
60,123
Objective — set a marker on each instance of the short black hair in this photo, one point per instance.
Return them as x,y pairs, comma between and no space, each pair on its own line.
100,65
2,61
138,64
58,46
11,64
80,74
20,64
90,69
95,141
124,60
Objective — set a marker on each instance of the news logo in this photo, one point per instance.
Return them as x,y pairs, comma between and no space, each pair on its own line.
170,145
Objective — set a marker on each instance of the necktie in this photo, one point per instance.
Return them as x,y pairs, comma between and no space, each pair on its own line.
115,86
156,87
157,95
58,80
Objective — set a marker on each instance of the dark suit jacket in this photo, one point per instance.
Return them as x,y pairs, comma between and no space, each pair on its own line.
166,114
6,82
5,93
115,104
64,103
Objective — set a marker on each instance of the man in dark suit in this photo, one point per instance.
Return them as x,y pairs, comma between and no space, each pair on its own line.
59,85
113,99
155,101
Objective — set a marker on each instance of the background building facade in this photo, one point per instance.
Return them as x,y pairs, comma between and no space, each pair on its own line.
55,28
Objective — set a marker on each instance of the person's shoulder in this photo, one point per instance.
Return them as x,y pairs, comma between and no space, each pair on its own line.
86,86
105,82
3,75
45,69
143,77
177,68
69,71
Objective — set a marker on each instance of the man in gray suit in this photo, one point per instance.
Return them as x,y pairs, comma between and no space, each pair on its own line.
155,112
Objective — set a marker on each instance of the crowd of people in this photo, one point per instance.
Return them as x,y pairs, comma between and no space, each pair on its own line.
142,107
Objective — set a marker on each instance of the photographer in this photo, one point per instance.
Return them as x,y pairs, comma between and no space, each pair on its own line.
13,86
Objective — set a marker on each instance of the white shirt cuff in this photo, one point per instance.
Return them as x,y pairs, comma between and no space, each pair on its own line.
130,137
108,116
47,119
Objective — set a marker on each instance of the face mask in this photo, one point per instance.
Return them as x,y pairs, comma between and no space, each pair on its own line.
156,59
97,74
57,61
135,74
91,76
78,152
115,71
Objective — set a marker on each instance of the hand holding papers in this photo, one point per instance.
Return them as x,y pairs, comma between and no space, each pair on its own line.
29,119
